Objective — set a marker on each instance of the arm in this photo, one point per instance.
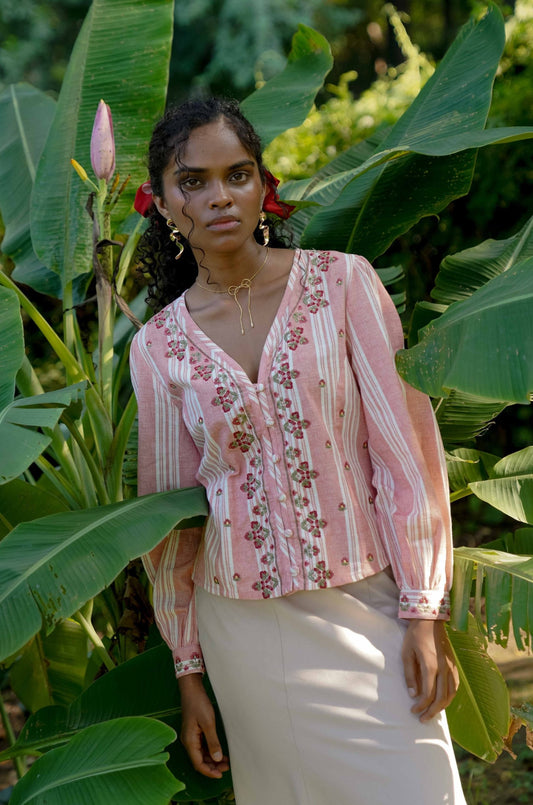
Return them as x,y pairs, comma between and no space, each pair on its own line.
167,459
410,479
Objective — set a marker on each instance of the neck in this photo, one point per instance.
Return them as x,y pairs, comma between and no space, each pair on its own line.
222,270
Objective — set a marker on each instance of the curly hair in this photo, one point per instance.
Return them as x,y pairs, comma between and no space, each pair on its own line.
168,278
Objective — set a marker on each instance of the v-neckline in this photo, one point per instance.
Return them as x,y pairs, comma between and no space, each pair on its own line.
225,356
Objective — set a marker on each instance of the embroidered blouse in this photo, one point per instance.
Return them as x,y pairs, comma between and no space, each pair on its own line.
325,471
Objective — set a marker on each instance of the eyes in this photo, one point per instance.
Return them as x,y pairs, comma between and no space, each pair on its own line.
238,177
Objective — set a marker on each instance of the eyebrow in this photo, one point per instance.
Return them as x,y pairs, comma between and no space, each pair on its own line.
187,169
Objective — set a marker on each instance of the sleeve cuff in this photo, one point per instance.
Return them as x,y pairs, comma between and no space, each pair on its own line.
188,660
426,604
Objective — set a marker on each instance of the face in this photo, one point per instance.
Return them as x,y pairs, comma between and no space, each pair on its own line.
215,194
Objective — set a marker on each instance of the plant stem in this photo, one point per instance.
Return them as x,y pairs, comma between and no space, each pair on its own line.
94,470
20,766
460,493
95,640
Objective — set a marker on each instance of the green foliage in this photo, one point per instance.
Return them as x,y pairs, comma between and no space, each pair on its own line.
74,440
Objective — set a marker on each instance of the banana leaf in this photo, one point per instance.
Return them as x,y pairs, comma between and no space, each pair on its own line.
26,115
510,486
505,580
478,716
51,566
51,669
143,686
22,423
285,101
21,501
404,185
463,273
480,346
119,761
11,345
121,55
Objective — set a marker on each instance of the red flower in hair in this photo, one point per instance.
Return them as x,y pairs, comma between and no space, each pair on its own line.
272,202
144,199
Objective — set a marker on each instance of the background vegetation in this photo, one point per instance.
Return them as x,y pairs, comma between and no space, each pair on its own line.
377,76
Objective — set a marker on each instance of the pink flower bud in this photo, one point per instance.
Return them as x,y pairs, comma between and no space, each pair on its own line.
103,143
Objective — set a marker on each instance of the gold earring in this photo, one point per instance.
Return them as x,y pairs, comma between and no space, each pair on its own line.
263,226
175,237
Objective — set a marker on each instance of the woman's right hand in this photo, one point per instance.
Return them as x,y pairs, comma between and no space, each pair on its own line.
198,728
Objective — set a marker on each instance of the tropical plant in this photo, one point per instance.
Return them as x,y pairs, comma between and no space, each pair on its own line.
71,525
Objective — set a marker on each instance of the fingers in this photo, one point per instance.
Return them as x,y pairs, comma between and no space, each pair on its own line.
209,761
429,668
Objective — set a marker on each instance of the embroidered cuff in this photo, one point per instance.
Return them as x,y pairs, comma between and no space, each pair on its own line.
189,661
428,604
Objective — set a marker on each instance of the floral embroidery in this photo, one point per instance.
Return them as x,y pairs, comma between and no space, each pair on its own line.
160,318
299,317
284,376
267,559
300,501
296,426
313,523
259,510
204,372
257,535
304,475
311,550
194,664
282,405
315,301
294,338
266,584
225,398
240,419
176,347
242,441
250,486
320,574
293,452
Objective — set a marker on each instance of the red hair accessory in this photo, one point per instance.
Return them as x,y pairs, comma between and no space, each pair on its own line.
144,199
272,202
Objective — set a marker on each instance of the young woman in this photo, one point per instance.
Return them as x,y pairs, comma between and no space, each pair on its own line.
317,591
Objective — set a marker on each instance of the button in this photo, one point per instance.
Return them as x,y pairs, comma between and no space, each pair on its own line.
294,572
276,459
288,533
282,498
260,387
269,422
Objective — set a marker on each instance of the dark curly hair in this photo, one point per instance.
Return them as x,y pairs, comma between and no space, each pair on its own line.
168,278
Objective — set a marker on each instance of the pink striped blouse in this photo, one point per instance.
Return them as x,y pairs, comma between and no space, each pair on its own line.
325,471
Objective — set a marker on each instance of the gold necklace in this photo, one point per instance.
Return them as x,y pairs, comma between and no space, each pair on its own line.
233,290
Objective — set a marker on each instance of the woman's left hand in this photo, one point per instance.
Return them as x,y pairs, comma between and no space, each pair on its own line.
429,666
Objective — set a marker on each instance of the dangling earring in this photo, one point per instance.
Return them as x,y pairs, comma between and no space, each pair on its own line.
175,237
263,226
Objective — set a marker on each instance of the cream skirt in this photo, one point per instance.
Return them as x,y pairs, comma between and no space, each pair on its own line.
314,701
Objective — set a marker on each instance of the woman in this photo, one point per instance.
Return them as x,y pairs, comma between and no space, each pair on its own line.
269,379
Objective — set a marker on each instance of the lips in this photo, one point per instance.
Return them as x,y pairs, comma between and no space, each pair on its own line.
223,223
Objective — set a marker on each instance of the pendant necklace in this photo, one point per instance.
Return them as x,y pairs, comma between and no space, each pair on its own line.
233,291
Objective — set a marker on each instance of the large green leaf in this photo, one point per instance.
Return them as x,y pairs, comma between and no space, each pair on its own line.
482,345
121,55
118,762
143,686
285,100
22,424
50,567
21,501
497,575
479,714
466,466
510,487
463,273
462,417
51,669
455,101
26,115
11,344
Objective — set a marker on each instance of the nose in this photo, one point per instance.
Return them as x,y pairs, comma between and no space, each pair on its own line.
220,195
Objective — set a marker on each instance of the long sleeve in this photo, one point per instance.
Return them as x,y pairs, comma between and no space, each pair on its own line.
409,471
167,459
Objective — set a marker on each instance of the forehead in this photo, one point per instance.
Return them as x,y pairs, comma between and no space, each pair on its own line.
213,145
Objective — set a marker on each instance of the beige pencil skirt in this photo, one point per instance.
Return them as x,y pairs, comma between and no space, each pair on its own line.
314,701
